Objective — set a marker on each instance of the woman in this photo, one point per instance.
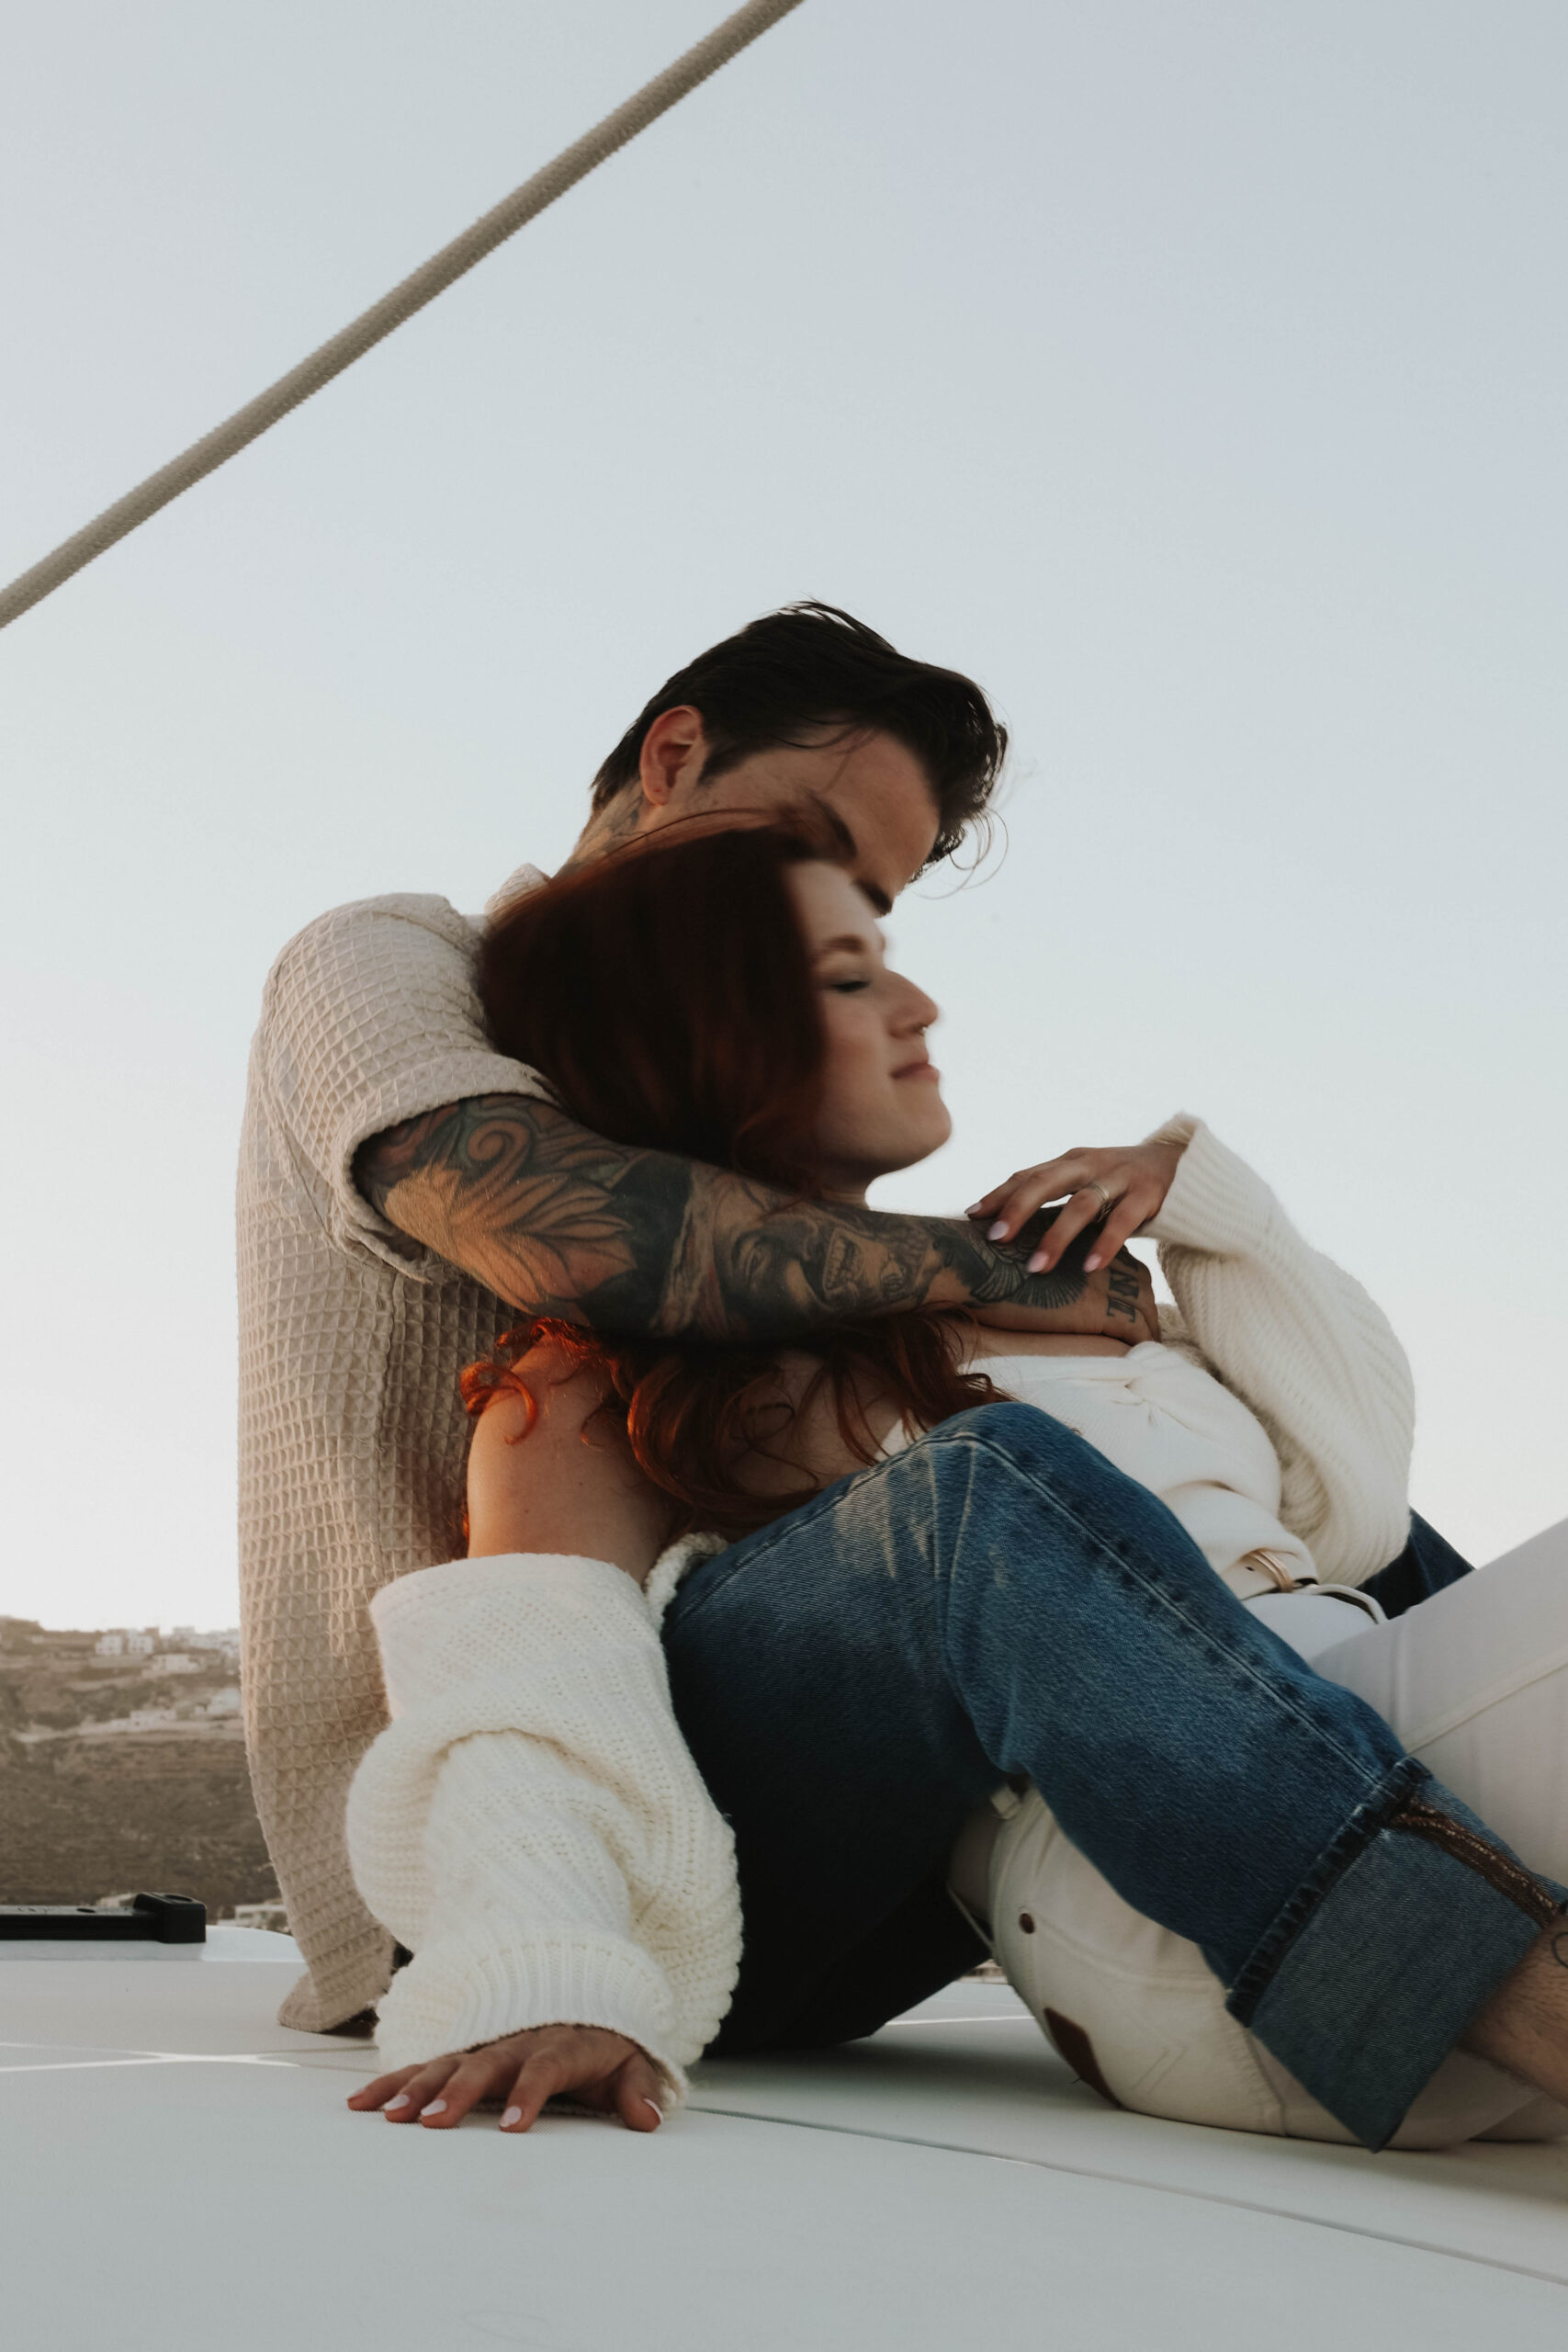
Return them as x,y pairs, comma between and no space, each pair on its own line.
577,1802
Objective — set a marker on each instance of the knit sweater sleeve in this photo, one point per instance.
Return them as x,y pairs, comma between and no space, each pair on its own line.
530,1824
369,1017
1301,1344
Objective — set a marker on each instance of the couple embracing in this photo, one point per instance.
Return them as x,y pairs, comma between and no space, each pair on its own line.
840,1596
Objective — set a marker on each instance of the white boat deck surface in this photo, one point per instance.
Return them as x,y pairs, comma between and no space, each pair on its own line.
175,2167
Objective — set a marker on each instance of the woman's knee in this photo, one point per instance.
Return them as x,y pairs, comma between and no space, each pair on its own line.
1049,1466
1024,1434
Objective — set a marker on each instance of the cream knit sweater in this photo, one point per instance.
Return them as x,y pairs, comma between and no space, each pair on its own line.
1301,1343
531,1825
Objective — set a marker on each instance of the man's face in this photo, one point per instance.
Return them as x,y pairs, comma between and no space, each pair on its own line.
870,782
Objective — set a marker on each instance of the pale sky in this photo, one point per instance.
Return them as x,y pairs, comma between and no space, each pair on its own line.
1192,374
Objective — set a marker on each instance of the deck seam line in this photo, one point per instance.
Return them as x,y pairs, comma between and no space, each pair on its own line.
1132,2180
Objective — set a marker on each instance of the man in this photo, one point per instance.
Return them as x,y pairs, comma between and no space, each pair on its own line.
404,1190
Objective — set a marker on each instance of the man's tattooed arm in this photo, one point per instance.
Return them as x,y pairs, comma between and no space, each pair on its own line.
560,1222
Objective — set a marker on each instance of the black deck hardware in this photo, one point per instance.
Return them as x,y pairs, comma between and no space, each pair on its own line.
147,1918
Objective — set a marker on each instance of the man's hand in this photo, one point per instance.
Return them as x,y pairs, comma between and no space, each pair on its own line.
1117,1302
599,2069
1125,1186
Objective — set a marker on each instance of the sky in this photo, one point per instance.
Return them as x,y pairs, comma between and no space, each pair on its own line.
1192,374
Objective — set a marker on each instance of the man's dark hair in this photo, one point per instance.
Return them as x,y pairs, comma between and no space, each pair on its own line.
786,676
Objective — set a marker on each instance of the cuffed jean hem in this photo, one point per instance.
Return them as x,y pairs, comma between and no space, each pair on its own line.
1372,1972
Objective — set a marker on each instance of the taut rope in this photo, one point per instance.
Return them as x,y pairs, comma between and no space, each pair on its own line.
351,342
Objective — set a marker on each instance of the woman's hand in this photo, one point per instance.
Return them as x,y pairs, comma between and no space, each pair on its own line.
1125,1186
600,2069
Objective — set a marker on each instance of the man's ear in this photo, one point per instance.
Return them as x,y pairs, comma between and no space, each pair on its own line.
673,750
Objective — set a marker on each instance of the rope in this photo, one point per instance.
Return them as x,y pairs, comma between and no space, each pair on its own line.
340,351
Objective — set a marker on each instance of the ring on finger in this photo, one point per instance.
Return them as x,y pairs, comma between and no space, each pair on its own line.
1106,1197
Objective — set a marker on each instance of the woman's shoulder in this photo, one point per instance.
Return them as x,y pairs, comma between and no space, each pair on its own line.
550,1471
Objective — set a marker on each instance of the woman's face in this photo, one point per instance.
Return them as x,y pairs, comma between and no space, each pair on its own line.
881,1105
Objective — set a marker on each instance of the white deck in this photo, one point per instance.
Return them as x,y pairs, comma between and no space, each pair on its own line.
177,2166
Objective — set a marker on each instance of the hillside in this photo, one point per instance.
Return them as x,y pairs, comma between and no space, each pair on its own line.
124,1772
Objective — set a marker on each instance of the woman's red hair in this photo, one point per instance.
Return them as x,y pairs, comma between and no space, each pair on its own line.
665,993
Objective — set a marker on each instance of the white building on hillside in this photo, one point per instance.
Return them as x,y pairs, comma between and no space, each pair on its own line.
128,1642
173,1662
271,1916
226,1639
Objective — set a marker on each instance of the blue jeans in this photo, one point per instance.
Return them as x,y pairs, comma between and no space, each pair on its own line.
997,1602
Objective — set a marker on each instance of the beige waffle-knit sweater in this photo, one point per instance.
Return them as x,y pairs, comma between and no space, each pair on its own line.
352,1435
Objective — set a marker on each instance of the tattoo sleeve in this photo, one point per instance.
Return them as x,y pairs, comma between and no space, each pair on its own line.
558,1221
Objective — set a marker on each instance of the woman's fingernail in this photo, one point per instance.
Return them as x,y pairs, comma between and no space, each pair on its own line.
1037,1263
656,2108
973,1208
436,2107
514,2115
401,2100
1091,1263
998,1230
